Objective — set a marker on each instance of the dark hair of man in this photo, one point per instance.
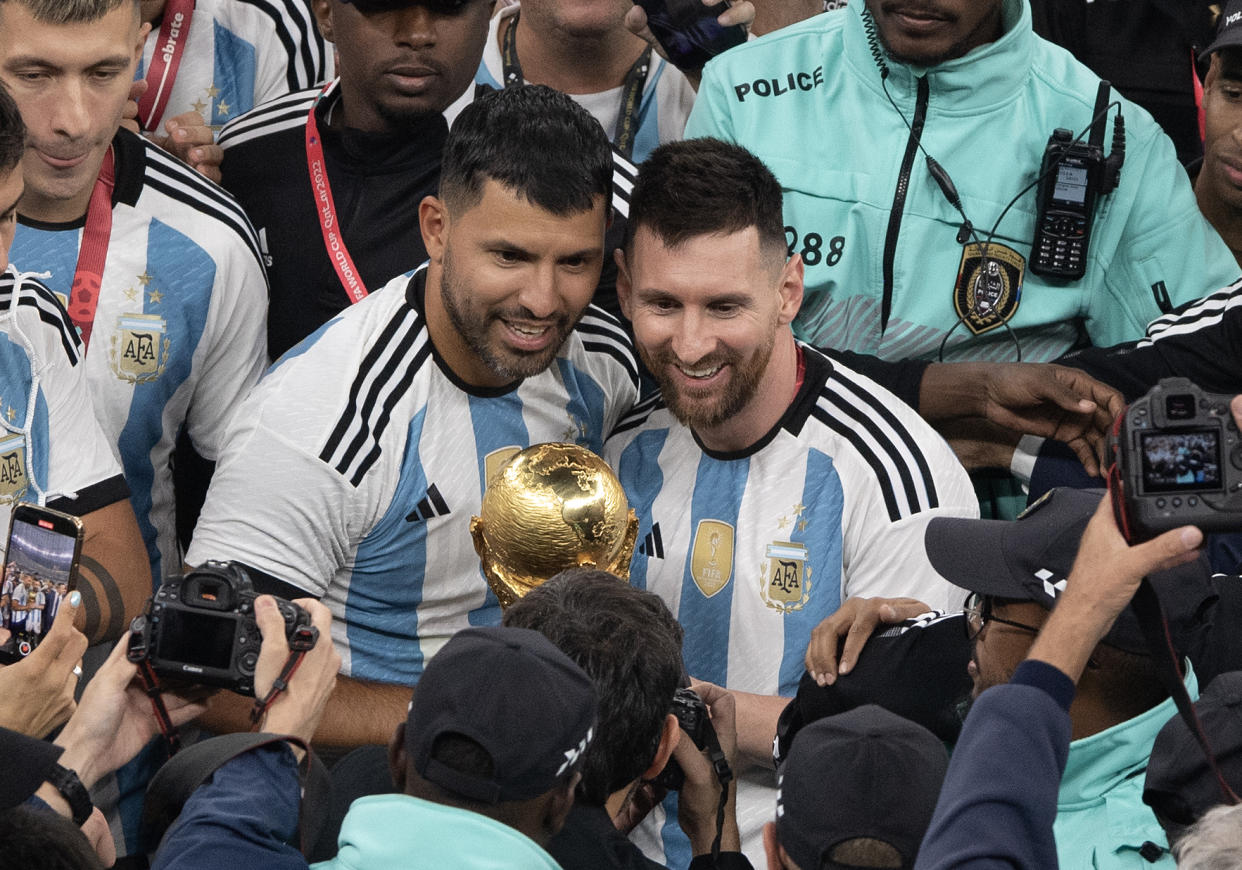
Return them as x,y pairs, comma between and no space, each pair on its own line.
629,644
70,11
533,140
36,838
701,187
12,133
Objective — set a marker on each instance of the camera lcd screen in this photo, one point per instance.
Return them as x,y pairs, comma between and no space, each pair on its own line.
1187,461
39,571
1071,184
197,638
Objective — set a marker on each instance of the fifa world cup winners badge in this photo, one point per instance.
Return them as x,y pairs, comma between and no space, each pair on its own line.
140,347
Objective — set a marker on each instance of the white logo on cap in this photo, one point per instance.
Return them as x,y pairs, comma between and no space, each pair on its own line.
1050,589
572,755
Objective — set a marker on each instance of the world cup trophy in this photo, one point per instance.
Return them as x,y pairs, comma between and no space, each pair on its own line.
551,507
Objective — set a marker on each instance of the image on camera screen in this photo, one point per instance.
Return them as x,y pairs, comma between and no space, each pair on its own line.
36,580
1180,461
204,639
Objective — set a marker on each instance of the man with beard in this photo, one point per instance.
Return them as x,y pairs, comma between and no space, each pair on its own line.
770,483
1065,552
332,177
352,470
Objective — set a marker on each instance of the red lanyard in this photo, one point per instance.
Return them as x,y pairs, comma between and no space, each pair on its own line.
326,207
88,277
174,34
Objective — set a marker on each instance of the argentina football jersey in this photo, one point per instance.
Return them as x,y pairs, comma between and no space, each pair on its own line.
391,453
178,332
751,550
236,54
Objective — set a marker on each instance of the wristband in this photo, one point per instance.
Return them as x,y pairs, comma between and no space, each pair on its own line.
71,789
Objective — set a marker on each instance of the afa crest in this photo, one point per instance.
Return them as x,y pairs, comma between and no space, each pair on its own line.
140,347
711,558
496,460
13,478
989,287
785,579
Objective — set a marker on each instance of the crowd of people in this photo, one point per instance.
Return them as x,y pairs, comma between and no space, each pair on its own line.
824,306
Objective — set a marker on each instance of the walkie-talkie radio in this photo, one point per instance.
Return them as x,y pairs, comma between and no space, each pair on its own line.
1072,178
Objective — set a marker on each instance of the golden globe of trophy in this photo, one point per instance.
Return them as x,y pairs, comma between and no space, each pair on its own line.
552,507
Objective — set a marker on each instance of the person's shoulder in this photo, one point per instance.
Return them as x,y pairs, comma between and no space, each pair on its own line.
161,188
279,115
38,313
600,339
648,414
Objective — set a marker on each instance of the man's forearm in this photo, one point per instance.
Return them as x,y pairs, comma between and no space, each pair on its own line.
358,713
757,716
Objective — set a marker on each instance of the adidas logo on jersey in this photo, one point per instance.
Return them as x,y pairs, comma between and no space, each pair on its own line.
431,505
653,544
267,255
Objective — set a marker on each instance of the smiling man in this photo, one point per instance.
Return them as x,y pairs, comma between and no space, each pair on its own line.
353,469
770,483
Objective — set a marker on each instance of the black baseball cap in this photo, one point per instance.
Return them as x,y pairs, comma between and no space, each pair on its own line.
865,773
511,691
1228,30
1180,785
1028,559
27,763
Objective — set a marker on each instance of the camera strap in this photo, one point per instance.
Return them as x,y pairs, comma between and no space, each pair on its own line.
724,773
151,685
302,642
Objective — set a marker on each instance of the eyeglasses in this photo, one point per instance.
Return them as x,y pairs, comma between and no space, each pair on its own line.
979,613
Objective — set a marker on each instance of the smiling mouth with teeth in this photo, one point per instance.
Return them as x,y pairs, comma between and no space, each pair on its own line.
700,373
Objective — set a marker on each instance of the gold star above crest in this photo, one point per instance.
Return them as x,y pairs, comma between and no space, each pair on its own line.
213,91
799,508
802,525
223,107
198,106
156,297
782,523
144,279
131,294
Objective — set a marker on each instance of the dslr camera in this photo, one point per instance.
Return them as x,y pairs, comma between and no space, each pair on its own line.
693,718
201,628
1178,461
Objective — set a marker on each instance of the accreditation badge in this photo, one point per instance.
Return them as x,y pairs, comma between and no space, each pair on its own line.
13,478
989,285
785,578
711,558
140,347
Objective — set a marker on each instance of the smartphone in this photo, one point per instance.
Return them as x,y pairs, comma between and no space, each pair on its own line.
40,570
688,32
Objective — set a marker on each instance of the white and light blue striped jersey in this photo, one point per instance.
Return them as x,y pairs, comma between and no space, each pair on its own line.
751,550
241,53
179,334
666,102
352,471
52,451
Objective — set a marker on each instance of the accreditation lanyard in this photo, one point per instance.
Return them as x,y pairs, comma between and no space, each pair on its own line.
325,207
174,34
88,276
631,88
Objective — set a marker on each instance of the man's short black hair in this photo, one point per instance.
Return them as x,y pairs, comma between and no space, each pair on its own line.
71,11
12,133
535,141
630,646
36,838
702,187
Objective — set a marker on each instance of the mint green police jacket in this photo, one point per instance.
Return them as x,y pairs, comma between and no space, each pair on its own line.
885,271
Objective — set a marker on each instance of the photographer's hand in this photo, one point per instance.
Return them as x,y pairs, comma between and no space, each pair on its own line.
114,719
36,694
698,802
297,710
739,12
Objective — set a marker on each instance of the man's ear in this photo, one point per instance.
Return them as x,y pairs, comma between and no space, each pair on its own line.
397,758
669,735
433,223
558,807
322,10
625,287
790,287
143,31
